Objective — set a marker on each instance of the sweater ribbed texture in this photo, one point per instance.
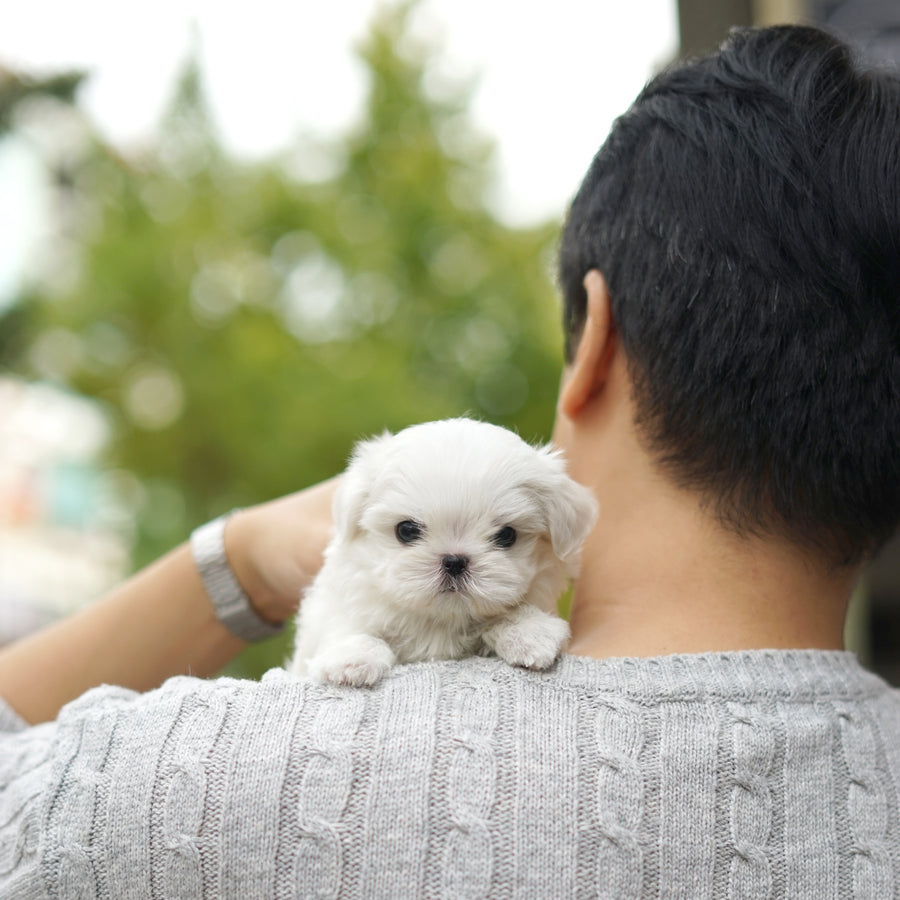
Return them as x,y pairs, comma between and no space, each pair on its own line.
742,775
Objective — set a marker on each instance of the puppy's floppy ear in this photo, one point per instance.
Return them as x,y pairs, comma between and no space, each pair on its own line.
355,488
570,507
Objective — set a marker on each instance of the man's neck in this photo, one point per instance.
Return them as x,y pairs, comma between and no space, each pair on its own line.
661,577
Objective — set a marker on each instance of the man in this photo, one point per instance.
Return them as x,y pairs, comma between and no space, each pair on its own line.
732,387
731,280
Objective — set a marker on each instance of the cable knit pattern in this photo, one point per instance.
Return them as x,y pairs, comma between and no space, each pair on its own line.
741,775
77,805
325,777
867,806
619,801
183,788
468,857
751,804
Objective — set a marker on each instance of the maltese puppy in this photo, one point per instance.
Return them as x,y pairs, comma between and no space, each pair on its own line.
452,538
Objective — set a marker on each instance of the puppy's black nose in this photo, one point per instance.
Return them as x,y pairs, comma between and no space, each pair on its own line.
455,565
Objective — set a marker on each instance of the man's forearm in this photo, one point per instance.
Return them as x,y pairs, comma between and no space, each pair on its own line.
157,624
160,622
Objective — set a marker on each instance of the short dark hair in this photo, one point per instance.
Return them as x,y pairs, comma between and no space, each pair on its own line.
745,212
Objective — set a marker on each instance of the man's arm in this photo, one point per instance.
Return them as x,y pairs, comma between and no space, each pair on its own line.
160,622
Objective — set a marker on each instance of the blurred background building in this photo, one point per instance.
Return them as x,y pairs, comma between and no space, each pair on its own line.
872,25
63,532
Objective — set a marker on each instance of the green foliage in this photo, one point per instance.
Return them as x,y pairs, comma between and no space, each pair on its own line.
244,327
16,328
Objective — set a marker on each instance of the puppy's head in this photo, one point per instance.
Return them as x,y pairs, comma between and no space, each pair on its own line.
459,515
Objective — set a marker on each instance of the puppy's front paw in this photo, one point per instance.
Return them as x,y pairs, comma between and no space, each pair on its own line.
359,660
529,638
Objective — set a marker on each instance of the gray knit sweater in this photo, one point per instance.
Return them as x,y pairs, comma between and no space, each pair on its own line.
751,775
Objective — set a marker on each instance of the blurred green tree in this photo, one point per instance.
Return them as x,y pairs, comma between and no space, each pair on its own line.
244,324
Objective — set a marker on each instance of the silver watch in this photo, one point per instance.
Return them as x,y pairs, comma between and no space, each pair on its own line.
232,605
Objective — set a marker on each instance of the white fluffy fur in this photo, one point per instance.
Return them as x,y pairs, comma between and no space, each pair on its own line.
378,601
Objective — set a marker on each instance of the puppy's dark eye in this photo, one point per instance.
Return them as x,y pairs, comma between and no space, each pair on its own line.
505,537
408,532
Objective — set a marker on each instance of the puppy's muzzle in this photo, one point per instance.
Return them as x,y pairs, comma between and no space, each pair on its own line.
454,565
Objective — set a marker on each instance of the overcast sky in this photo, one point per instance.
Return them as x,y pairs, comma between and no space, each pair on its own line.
552,76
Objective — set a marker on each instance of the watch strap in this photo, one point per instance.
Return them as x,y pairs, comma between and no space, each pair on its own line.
232,605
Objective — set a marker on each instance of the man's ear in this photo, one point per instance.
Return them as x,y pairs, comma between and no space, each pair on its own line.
587,372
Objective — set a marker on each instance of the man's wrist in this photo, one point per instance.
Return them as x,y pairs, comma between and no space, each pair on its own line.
231,603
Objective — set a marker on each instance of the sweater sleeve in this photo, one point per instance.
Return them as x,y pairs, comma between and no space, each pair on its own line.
25,770
10,720
47,790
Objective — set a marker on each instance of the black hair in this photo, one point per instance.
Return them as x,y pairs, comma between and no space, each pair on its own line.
745,212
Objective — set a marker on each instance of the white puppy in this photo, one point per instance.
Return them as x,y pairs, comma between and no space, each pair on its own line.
452,538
